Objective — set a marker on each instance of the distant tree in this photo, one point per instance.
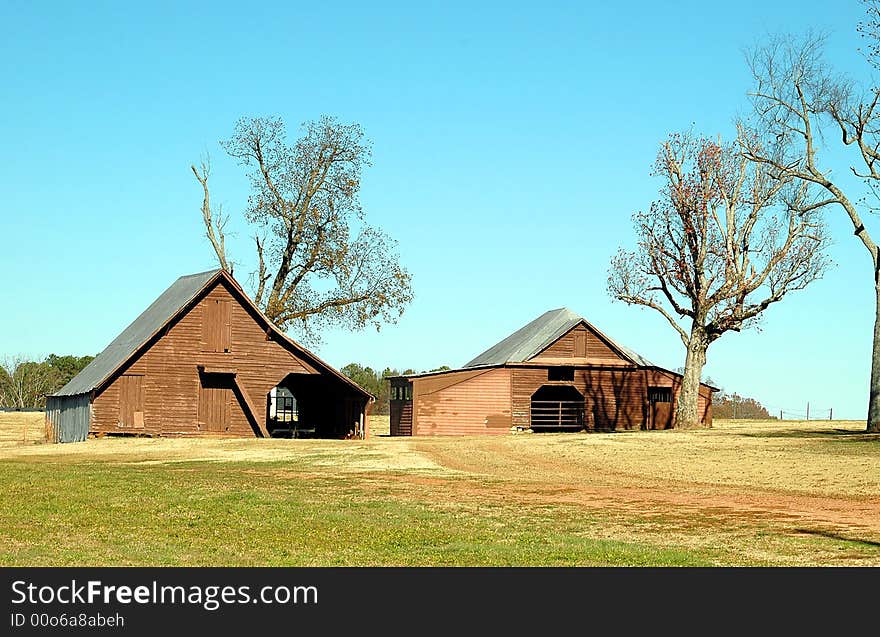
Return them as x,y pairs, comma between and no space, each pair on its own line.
735,406
67,367
370,380
442,368
726,240
800,103
24,383
318,263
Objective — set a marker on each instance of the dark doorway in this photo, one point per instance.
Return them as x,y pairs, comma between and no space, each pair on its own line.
314,406
557,408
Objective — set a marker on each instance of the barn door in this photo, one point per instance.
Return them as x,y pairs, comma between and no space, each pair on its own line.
215,397
131,401
217,325
660,407
580,344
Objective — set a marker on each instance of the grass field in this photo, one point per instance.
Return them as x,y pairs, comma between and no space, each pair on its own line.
742,493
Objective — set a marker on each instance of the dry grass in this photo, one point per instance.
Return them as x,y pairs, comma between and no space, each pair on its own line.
26,427
789,493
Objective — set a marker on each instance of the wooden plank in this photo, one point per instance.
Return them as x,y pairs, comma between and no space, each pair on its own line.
250,406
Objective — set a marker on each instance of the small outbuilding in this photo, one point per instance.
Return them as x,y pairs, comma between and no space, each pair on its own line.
204,360
557,373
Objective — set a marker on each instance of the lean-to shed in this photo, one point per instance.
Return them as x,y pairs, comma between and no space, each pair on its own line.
202,359
558,372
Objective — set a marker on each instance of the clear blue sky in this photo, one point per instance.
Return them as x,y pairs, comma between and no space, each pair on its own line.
512,142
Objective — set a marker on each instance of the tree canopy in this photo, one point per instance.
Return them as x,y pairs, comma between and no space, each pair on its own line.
318,262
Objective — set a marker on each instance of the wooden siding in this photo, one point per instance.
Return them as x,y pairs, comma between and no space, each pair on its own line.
613,398
660,378
490,401
462,403
171,377
579,342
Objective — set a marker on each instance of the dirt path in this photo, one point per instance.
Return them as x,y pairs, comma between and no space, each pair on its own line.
611,476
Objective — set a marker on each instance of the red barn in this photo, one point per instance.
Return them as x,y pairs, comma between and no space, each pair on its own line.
557,373
203,359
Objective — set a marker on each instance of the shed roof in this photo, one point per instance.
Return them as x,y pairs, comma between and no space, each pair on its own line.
534,337
169,304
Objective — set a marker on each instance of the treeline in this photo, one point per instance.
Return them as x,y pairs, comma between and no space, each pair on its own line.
740,407
376,382
24,383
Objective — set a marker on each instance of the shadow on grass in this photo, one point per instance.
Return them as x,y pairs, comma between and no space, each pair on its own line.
836,536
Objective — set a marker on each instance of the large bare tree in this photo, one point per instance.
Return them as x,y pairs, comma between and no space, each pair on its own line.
318,263
800,105
724,241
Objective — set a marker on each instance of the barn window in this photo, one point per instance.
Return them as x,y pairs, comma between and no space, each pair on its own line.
660,394
560,373
217,325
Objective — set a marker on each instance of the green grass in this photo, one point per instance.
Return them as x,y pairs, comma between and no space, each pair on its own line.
261,514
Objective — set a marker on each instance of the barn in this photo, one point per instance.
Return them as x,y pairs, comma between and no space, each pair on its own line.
556,373
204,360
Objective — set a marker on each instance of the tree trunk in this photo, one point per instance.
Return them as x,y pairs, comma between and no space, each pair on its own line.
687,414
874,394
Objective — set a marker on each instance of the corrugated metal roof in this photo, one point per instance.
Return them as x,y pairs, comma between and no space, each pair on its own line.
531,339
135,335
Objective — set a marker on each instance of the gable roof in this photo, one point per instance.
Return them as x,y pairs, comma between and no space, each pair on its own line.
162,311
531,339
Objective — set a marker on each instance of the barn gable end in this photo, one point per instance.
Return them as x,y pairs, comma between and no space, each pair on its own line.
202,359
583,343
184,376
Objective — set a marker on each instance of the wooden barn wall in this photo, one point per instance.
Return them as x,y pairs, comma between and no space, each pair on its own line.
68,418
171,378
659,378
462,403
613,398
567,346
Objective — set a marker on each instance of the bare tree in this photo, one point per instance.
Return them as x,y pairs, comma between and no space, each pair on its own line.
725,240
24,383
318,262
214,226
797,97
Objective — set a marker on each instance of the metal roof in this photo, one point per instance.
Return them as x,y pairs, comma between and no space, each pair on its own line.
169,303
531,339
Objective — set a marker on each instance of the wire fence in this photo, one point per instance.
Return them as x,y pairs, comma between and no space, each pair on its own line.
806,412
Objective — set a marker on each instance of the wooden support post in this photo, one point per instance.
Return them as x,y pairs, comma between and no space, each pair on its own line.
250,408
